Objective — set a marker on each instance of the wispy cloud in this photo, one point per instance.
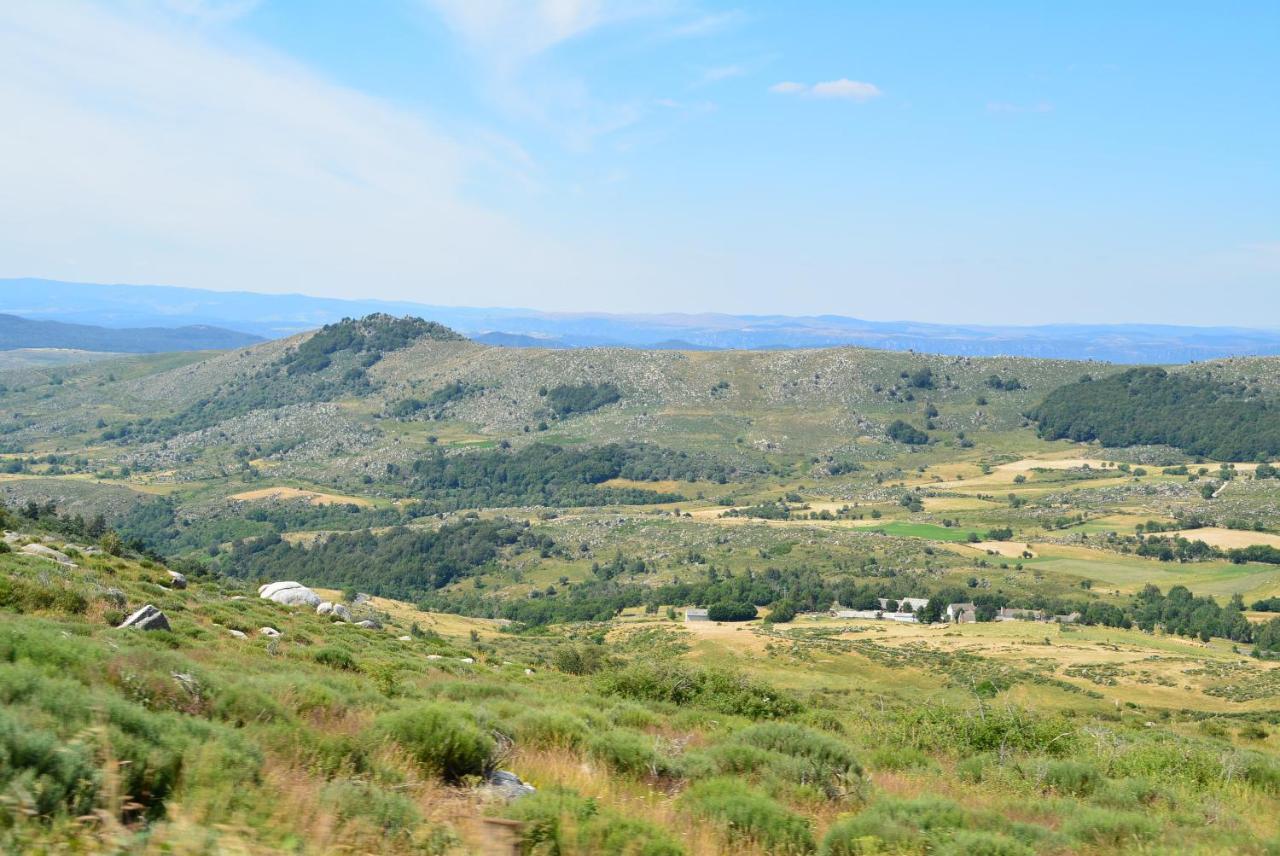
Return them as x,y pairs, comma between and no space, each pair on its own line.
705,25
849,90
724,72
161,154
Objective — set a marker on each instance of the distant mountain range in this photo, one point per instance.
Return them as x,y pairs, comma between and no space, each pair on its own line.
19,333
275,315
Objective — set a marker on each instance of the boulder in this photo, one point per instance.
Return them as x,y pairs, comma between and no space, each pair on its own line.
468,659
434,657
325,608
404,638
289,594
114,596
147,618
238,634
269,632
508,786
368,624
177,580
43,552
341,613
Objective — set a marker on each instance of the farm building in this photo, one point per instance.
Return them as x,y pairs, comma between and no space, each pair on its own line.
695,615
961,613
1007,614
907,604
858,613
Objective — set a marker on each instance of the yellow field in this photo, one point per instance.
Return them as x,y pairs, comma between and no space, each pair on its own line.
313,496
1227,539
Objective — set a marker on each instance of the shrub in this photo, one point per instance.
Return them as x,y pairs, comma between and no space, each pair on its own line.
335,658
1071,778
627,752
974,842
1110,828
387,813
681,684
821,750
547,729
441,739
560,821
746,813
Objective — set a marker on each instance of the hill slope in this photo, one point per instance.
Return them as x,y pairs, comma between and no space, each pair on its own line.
17,332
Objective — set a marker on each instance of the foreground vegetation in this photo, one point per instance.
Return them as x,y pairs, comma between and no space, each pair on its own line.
525,531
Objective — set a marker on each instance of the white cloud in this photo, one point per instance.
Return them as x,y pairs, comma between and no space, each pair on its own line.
507,32
855,90
706,25
724,72
851,90
149,151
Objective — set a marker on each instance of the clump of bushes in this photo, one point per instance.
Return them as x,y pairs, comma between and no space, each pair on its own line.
441,738
681,684
560,821
748,815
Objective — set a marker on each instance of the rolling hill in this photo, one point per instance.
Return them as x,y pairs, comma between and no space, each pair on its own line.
19,333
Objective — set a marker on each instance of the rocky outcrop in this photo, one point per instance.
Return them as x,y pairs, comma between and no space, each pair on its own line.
147,618
289,594
177,580
269,632
43,552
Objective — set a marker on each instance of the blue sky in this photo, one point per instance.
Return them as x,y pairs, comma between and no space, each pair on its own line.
993,161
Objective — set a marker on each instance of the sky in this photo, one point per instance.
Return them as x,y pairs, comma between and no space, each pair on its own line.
997,162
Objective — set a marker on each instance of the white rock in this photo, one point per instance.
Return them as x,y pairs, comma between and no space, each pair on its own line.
341,613
404,638
367,624
528,671
177,580
43,552
239,634
269,632
468,659
434,657
289,593
324,608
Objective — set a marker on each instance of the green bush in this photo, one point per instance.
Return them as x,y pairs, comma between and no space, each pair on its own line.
746,813
442,739
548,729
1071,778
1110,828
559,821
336,658
974,842
389,813
681,684
893,825
628,752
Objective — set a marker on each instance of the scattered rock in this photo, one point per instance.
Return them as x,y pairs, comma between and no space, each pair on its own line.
468,659
43,552
325,608
368,624
177,580
508,786
528,671
289,593
341,613
238,634
404,638
361,597
115,597
434,657
147,618
269,632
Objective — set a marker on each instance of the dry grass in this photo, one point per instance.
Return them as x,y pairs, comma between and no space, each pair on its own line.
287,493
